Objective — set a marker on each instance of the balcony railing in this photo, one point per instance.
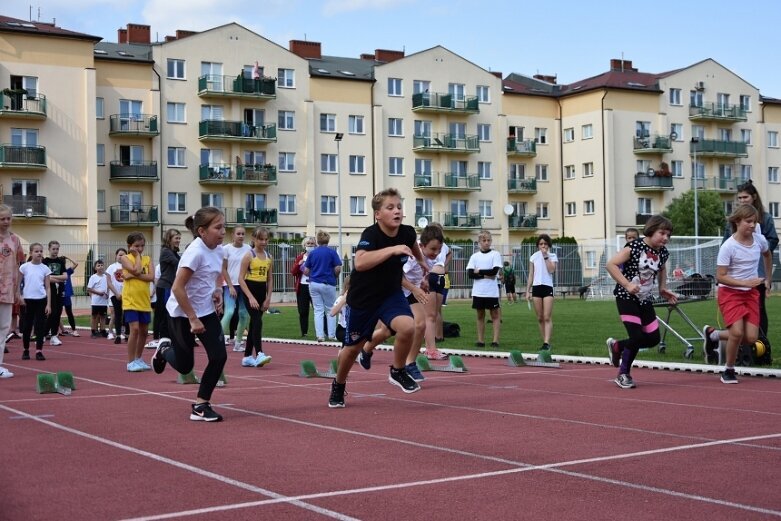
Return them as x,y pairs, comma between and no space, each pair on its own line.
446,143
522,222
28,206
438,181
642,218
452,220
141,125
128,215
521,147
718,148
652,144
220,130
427,216
136,171
238,174
215,85
648,183
716,112
522,186
717,184
20,105
23,156
257,217
444,102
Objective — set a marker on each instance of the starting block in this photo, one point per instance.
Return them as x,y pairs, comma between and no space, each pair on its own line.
455,365
62,383
544,359
192,378
309,370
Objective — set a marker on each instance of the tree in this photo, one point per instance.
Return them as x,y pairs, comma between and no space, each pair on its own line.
709,208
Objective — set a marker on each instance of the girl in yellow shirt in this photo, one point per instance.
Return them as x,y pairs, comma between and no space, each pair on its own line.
256,283
136,305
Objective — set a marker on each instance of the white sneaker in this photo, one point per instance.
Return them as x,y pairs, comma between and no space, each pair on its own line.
248,361
5,373
123,337
238,346
143,365
110,336
133,367
55,341
152,344
262,360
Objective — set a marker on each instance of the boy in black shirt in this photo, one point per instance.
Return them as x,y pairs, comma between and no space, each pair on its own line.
57,285
375,293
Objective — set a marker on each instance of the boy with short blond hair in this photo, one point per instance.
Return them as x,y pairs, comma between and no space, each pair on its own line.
482,269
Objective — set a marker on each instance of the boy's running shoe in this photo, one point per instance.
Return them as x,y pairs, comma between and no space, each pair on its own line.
624,381
39,356
365,359
248,361
204,412
55,341
710,348
262,359
400,378
414,372
133,367
729,377
613,353
5,373
143,365
158,360
336,400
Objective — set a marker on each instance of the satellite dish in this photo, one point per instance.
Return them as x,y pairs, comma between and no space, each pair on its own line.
673,136
422,222
651,172
508,209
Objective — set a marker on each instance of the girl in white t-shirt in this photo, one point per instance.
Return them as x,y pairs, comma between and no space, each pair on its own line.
114,272
98,288
539,287
232,297
193,306
37,300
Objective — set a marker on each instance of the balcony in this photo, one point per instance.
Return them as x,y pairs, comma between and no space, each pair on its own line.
220,130
137,171
522,222
521,147
521,186
446,143
217,86
451,221
717,148
142,215
133,125
717,184
652,145
26,157
714,112
652,183
255,175
244,216
446,182
642,218
426,216
443,102
21,105
27,206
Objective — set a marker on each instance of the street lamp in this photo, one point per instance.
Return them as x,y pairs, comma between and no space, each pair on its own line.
338,138
695,142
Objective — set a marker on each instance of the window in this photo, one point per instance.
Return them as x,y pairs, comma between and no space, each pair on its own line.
328,204
484,169
177,202
569,172
213,73
772,174
569,135
677,129
484,131
131,154
100,108
423,167
570,208
24,137
699,170
211,199
644,206
587,131
420,86
211,156
423,208
212,112
643,165
642,129
457,130
129,108
24,187
355,124
486,210
745,135
286,120
327,122
542,211
728,207
745,102
287,203
695,98
357,165
286,78
175,112
101,152
254,157
175,69
773,209
176,157
588,207
357,205
588,169
255,202
422,128
541,136
483,94
457,90
255,117
459,207
725,171
698,131
541,172
675,96
676,168
772,139
745,172
722,99
395,87
395,127
519,209
396,166
101,200
591,259
458,168
287,162
328,163
725,134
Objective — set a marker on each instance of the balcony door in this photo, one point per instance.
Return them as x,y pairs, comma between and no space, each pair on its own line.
130,114
130,206
28,83
131,155
213,73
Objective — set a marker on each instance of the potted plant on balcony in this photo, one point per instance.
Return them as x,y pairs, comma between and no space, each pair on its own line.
664,170
15,95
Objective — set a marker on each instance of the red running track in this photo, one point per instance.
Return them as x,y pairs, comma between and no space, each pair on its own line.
495,443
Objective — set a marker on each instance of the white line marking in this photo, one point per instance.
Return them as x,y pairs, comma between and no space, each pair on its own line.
30,417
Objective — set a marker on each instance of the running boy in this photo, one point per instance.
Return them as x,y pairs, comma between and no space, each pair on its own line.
97,287
643,261
37,300
482,268
375,293
136,305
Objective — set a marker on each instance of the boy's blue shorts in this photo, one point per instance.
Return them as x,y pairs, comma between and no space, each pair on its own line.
142,317
361,322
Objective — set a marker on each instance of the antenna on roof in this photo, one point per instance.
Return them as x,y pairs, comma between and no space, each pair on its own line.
622,61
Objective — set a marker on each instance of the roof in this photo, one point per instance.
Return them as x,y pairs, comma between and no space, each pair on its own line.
342,68
131,52
15,25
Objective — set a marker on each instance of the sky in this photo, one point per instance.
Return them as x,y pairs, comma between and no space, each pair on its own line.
571,40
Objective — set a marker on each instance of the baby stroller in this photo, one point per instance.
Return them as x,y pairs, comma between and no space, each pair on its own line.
695,288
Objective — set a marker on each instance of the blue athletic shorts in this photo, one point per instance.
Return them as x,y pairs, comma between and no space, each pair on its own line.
361,322
142,317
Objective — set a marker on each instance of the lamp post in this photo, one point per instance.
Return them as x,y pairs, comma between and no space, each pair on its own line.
695,142
338,138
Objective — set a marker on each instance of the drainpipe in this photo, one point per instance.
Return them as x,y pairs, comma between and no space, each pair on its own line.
561,166
160,144
604,171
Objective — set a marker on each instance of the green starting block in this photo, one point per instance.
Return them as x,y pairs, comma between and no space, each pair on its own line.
544,359
309,370
192,378
455,365
62,383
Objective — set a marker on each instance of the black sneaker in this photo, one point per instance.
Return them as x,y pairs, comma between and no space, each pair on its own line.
728,377
337,395
710,348
401,378
117,340
365,359
39,355
158,360
204,412
545,347
25,355
624,381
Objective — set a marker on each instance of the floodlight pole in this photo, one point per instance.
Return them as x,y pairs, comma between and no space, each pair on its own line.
338,138
695,142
